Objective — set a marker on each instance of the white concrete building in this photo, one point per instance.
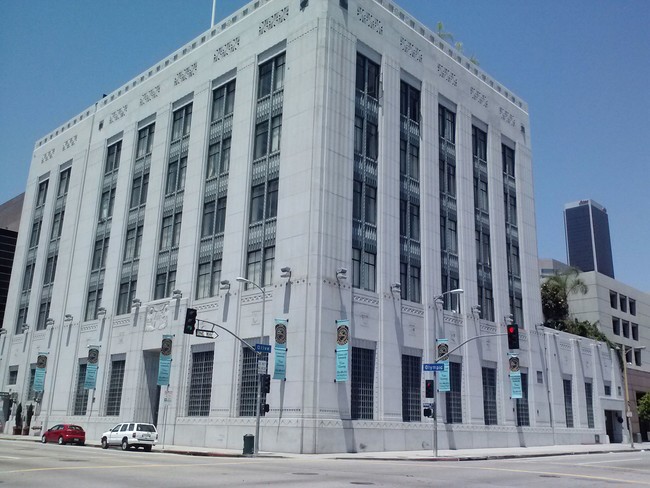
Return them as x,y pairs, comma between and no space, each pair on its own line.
623,314
340,139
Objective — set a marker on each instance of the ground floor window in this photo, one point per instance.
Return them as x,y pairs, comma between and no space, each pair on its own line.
362,386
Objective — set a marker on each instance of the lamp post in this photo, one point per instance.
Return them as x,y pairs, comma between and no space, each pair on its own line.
258,402
437,301
628,411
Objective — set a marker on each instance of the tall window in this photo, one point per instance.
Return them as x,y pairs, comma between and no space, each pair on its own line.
57,225
170,232
145,141
126,296
42,193
81,394
209,278
200,384
248,383
50,270
453,397
411,389
106,204
165,284
259,268
182,122
364,269
223,101
100,253
116,381
93,303
35,234
64,182
568,402
521,404
589,399
362,386
133,243
367,77
139,190
490,395
218,158
271,76
176,174
113,157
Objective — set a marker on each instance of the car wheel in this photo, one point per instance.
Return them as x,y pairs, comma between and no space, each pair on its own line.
81,443
44,439
147,448
125,445
61,441
104,443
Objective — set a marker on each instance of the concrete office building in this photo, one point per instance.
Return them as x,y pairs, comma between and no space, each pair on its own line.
587,237
9,220
623,315
340,156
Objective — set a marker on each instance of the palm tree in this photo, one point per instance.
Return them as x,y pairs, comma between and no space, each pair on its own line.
555,294
443,34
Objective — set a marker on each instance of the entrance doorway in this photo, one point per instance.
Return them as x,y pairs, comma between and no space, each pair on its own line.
149,391
614,426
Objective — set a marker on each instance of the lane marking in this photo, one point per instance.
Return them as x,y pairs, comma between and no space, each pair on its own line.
138,466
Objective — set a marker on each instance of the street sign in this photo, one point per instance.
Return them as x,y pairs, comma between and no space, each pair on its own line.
261,366
433,367
427,405
208,334
262,347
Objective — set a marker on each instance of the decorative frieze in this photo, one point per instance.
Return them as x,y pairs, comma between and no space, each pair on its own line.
478,97
149,95
411,49
47,156
370,20
506,116
226,50
186,74
69,143
447,75
274,20
118,114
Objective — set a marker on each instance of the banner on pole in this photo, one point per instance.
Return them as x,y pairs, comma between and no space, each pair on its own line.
39,374
516,390
342,349
280,368
91,377
442,348
165,361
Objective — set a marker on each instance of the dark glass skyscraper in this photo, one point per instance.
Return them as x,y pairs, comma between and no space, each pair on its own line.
587,236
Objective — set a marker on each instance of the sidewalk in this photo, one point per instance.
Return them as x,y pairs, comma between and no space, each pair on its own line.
443,455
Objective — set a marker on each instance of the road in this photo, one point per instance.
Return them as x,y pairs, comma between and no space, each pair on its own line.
31,464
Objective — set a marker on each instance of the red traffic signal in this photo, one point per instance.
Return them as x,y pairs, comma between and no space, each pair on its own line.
513,336
428,388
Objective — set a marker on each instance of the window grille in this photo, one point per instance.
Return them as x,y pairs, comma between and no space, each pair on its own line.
453,397
363,373
200,384
521,404
490,396
81,395
568,402
114,396
411,388
589,398
249,379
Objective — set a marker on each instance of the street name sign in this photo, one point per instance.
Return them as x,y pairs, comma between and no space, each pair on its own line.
433,366
263,347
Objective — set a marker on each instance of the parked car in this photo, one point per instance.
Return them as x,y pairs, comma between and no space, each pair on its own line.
64,433
131,434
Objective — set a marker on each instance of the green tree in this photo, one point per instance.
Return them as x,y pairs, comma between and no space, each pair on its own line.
443,34
555,296
643,408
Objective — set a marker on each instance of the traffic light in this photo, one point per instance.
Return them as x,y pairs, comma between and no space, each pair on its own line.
190,321
513,336
428,388
264,409
266,383
428,412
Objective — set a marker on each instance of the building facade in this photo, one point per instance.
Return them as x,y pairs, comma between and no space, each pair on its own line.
394,174
9,220
587,236
623,315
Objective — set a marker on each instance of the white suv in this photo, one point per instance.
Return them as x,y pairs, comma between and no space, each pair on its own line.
131,434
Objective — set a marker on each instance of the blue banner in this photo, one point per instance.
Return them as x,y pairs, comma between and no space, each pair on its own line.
91,377
39,379
280,369
442,347
342,363
516,390
164,370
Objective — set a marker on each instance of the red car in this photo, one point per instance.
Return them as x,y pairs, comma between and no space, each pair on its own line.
64,433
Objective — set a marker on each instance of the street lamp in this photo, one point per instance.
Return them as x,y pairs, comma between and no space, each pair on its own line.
628,411
258,405
437,301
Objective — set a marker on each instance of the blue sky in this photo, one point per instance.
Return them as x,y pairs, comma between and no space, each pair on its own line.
582,66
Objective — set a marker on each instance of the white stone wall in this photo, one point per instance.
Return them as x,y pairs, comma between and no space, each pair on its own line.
310,412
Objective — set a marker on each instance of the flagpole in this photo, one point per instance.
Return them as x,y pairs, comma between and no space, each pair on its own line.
214,10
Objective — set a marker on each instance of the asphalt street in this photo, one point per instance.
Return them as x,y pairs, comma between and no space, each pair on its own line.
31,464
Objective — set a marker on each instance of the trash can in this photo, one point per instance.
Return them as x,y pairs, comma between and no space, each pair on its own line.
249,445
638,438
